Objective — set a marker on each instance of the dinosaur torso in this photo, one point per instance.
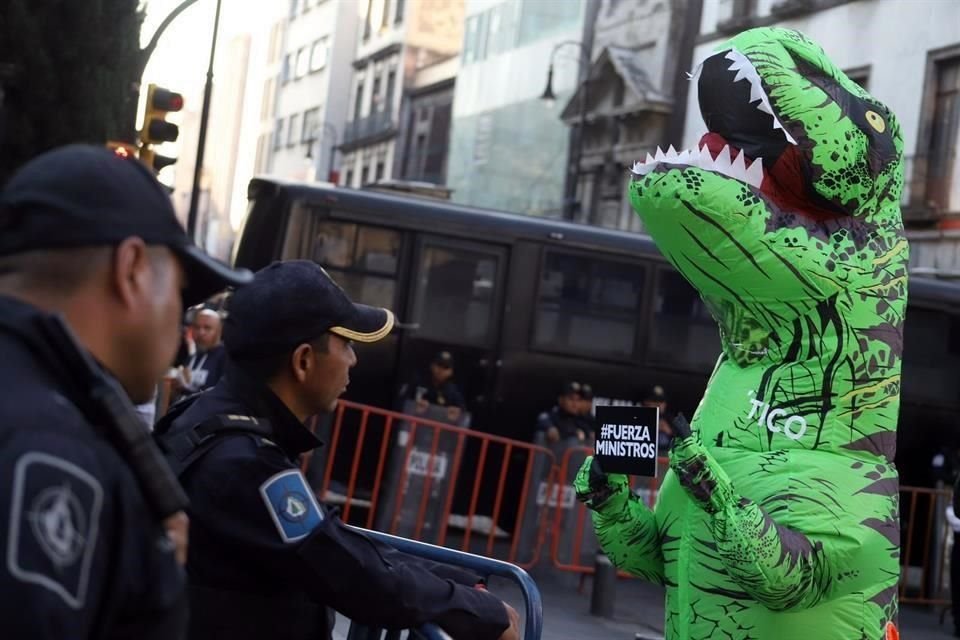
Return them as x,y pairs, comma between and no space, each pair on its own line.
786,219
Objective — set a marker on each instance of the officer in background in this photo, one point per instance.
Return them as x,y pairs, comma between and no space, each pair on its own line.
266,560
564,420
438,388
92,267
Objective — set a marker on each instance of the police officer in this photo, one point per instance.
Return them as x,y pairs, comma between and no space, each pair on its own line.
266,560
92,267
563,421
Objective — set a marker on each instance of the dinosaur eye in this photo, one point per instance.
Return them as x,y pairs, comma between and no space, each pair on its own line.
876,121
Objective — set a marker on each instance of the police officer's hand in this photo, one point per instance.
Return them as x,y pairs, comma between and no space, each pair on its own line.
513,631
178,527
553,434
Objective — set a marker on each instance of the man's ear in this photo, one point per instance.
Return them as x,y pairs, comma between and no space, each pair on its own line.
301,360
130,279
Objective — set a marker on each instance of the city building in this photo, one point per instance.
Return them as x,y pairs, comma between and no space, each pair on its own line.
310,90
425,119
633,100
508,147
398,41
908,56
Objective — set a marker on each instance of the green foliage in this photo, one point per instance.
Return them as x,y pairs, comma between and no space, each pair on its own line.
70,72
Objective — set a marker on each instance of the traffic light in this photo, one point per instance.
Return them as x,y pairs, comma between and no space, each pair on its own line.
160,102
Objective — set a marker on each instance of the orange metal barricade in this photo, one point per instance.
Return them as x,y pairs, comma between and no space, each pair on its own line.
924,530
523,510
476,468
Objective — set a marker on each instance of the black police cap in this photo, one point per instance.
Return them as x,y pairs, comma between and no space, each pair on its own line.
571,388
289,303
86,196
444,359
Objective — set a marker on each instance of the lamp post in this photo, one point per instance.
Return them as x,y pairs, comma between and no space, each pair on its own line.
573,163
327,128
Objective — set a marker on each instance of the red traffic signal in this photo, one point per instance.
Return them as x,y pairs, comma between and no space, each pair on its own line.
160,102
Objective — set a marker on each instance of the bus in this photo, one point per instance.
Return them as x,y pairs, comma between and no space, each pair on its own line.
526,303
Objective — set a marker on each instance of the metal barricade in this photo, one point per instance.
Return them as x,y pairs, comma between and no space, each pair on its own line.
394,463
485,567
925,539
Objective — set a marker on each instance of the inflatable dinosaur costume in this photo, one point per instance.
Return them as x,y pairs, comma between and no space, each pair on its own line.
778,518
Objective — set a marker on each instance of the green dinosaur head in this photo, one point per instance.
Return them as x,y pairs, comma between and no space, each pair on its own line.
793,194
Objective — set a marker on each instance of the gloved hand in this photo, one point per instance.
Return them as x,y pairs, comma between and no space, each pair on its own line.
597,489
700,475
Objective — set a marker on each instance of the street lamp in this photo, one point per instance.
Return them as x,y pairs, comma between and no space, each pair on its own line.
549,98
327,128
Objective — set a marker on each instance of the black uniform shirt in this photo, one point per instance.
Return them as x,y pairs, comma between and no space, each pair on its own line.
83,555
566,423
256,530
448,394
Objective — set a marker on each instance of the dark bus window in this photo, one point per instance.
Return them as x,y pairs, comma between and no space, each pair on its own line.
682,332
455,295
588,306
362,259
931,346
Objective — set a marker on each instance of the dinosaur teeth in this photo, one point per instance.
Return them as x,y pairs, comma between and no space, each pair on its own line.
755,173
700,157
746,71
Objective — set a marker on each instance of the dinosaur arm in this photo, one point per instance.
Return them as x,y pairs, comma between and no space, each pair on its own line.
779,567
625,527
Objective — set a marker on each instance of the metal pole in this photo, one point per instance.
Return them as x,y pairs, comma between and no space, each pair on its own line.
201,142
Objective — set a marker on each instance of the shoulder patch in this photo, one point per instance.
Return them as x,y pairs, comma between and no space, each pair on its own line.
54,521
291,504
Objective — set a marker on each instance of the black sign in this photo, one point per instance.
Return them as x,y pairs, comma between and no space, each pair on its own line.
627,440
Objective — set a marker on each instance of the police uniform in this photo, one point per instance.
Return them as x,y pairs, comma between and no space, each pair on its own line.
266,560
84,554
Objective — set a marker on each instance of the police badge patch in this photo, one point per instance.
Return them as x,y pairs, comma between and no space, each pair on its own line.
54,519
291,504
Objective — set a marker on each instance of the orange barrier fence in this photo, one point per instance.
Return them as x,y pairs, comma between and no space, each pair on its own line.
925,546
434,482
430,481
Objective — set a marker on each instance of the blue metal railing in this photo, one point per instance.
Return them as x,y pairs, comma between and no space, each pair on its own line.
485,567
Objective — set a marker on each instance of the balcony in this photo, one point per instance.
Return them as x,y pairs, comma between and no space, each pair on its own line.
375,127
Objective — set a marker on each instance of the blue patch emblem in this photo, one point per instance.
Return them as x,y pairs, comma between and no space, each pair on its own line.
54,522
291,504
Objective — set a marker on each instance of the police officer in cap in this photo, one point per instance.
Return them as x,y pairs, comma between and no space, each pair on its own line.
93,266
266,560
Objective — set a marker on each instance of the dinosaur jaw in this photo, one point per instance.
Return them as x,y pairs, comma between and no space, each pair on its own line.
728,161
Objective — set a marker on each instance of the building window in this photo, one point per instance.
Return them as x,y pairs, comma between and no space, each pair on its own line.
391,87
367,23
860,75
385,15
278,132
378,176
293,134
303,62
266,102
311,122
348,181
358,102
470,40
375,95
364,174
294,8
287,68
398,12
541,19
318,54
944,133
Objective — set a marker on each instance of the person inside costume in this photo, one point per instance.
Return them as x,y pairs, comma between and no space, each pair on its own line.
778,517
